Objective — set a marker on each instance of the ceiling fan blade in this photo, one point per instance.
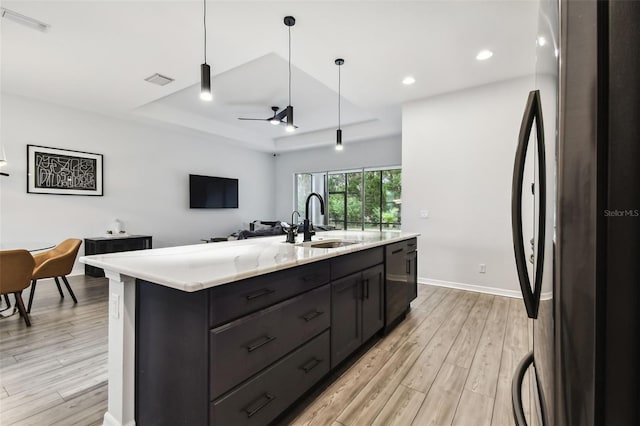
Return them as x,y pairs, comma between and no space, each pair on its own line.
253,119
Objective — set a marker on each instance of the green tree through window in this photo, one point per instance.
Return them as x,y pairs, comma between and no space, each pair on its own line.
359,199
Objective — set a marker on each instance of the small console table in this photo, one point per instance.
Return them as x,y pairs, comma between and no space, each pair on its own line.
115,244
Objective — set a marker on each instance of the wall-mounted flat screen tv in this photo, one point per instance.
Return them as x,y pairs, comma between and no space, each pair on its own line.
207,192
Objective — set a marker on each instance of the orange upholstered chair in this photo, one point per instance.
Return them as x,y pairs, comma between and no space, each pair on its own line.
54,263
16,267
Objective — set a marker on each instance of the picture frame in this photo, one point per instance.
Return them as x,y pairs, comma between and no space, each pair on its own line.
63,171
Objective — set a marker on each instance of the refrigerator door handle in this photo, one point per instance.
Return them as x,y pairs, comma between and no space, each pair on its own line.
533,111
516,390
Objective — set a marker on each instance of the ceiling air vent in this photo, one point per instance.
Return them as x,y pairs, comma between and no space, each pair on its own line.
24,20
159,79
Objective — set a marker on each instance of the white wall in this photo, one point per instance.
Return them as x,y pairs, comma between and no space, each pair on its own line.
372,153
457,161
145,179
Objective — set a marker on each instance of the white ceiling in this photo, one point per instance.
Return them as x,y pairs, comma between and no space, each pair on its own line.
97,53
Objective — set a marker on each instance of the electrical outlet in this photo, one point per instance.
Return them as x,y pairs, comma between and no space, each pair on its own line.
424,214
483,268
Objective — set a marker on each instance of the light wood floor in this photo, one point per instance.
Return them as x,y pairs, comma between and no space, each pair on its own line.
449,363
55,372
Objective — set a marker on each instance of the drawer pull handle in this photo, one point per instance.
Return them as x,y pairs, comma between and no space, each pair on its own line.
311,315
266,339
367,287
259,293
397,251
408,266
311,365
259,405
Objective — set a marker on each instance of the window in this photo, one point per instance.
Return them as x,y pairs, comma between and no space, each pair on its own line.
363,199
345,200
303,189
306,183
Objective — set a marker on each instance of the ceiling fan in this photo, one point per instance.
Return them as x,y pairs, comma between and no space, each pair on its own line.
278,118
284,117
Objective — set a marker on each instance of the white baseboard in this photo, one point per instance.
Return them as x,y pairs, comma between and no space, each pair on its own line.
109,420
472,287
76,272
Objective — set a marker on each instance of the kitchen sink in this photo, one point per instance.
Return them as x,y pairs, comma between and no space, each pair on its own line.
327,243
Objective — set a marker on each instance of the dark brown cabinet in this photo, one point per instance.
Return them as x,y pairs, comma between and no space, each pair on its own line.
372,301
346,317
104,245
265,396
401,279
243,347
412,274
243,352
357,311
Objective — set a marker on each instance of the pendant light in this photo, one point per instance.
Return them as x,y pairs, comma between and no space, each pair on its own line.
290,21
339,63
205,69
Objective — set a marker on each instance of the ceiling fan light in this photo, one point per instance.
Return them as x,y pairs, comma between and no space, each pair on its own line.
274,121
205,82
290,128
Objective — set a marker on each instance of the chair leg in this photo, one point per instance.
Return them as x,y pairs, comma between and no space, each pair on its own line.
6,299
59,288
20,304
66,283
33,291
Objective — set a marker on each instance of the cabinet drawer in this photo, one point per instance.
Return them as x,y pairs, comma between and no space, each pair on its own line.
265,396
243,347
236,299
342,266
396,249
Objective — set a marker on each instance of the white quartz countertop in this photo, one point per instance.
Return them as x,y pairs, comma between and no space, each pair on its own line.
196,267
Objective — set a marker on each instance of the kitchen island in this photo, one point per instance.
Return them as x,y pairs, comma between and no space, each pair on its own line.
235,332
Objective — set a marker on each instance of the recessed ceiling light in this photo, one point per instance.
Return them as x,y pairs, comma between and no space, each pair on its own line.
408,80
542,41
159,79
484,55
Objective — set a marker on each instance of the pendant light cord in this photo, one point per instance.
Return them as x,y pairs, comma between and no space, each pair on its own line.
289,65
204,23
339,96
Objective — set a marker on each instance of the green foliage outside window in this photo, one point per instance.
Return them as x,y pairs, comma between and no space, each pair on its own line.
364,199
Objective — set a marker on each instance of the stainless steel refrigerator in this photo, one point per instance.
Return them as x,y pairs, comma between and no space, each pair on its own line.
576,216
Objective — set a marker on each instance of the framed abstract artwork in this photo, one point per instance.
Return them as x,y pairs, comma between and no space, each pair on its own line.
62,171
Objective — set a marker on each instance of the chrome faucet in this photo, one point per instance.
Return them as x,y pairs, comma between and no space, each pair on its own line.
293,229
306,227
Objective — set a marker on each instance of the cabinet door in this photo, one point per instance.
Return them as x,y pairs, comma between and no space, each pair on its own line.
346,327
372,301
412,274
397,291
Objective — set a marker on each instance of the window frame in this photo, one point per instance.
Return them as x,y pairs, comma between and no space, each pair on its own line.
326,194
